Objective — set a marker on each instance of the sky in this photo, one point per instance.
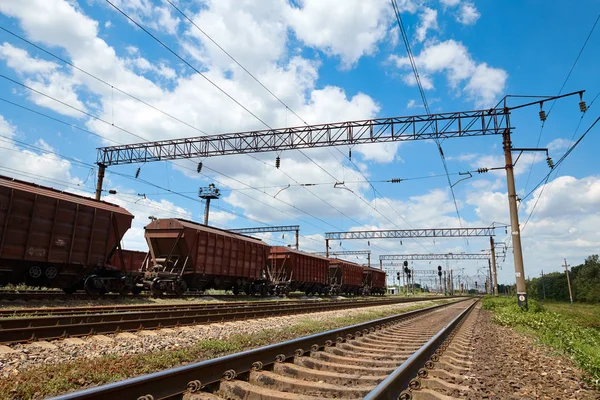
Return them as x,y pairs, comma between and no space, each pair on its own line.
78,75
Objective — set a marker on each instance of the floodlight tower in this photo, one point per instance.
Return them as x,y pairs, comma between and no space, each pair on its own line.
208,193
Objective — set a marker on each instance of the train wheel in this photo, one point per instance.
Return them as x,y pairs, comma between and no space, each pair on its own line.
35,272
93,285
180,287
125,286
235,290
155,288
136,290
264,291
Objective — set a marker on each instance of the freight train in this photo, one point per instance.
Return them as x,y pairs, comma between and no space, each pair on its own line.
57,239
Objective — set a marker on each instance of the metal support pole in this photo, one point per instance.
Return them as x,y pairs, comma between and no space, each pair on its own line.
451,283
380,264
297,239
514,218
493,252
369,259
543,286
490,277
101,169
412,276
445,284
327,248
206,211
569,282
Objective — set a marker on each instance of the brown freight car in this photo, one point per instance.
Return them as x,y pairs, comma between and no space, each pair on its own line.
186,254
54,239
345,276
131,264
373,281
291,269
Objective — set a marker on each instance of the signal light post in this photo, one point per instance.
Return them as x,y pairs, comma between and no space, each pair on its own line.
208,193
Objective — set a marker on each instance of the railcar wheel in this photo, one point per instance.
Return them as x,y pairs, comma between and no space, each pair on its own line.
136,290
69,290
35,272
93,285
125,287
235,290
180,287
155,288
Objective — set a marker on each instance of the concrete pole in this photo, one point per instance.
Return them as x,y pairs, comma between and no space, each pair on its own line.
569,282
493,250
514,218
206,211
380,264
369,259
543,286
445,284
412,276
101,169
490,277
327,248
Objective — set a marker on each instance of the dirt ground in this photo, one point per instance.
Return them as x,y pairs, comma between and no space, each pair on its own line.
509,365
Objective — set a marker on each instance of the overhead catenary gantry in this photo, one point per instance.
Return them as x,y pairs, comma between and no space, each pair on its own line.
433,256
265,229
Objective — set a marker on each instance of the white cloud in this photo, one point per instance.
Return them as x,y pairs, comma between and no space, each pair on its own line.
468,14
559,144
483,83
19,60
108,24
450,3
349,29
428,20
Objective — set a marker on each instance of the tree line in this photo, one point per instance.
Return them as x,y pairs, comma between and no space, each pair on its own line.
585,283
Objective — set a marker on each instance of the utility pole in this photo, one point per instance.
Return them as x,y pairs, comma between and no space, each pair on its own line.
569,282
208,193
326,247
490,276
514,218
445,284
543,286
493,252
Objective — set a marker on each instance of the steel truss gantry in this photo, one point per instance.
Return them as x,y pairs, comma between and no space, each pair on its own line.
432,256
411,233
377,130
264,229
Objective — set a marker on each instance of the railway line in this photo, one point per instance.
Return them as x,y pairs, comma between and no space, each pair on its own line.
420,354
26,325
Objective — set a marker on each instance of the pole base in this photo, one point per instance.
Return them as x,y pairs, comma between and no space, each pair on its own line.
522,300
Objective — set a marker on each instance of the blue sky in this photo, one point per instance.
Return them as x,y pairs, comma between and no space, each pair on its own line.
328,61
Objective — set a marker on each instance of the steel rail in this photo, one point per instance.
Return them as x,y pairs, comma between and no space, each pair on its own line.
399,380
175,381
16,330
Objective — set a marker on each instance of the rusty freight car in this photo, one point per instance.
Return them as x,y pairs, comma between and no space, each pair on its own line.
345,276
373,281
190,255
293,270
54,239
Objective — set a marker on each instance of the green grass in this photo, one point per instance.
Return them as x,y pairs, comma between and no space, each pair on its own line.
568,332
587,315
50,380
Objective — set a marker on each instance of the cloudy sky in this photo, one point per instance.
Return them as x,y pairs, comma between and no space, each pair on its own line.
80,75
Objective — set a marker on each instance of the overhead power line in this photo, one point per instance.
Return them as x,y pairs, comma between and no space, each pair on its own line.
413,64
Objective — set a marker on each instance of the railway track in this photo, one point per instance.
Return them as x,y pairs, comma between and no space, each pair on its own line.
80,322
420,354
33,295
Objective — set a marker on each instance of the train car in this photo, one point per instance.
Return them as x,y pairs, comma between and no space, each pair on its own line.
131,263
186,254
345,277
54,239
373,281
294,270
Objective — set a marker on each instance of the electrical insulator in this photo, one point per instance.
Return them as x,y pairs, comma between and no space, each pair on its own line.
401,243
199,167
405,264
277,162
582,106
137,173
482,170
550,162
350,154
112,191
396,180
542,115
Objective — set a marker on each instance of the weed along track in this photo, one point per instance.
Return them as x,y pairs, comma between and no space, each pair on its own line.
54,325
417,354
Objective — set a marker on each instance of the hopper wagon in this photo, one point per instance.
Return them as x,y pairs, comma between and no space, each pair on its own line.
345,277
373,281
56,239
294,270
186,255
